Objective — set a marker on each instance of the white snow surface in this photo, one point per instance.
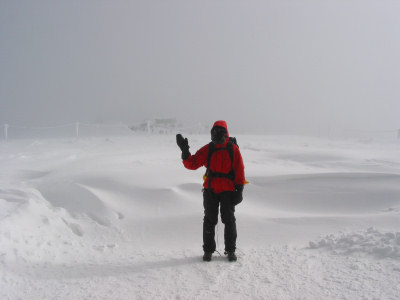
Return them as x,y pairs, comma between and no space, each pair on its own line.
121,218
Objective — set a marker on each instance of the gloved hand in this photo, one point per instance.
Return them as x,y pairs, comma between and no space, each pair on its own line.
183,143
237,194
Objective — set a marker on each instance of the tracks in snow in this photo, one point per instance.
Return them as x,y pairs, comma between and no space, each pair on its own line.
275,272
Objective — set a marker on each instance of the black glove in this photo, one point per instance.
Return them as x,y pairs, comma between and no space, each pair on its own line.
184,145
237,194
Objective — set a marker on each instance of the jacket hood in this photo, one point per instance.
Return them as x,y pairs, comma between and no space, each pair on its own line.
222,123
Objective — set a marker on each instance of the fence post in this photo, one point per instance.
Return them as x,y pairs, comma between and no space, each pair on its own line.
77,129
6,131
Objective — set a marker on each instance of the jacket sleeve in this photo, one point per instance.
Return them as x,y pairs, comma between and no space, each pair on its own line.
238,166
197,160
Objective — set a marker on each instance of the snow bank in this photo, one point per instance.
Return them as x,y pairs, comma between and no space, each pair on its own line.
372,242
32,230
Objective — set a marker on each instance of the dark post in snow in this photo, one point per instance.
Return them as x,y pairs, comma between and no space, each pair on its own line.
6,131
77,129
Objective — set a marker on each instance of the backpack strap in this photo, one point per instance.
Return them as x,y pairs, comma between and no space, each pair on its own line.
211,147
229,147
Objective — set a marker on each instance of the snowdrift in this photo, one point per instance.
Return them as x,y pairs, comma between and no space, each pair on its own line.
120,218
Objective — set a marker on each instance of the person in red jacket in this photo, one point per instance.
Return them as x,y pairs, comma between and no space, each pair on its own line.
223,185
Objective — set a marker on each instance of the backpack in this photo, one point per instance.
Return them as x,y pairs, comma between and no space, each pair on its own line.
211,149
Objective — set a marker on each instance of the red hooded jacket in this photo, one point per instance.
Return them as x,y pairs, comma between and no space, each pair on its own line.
220,162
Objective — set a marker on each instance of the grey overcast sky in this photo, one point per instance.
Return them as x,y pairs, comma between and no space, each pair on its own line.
274,66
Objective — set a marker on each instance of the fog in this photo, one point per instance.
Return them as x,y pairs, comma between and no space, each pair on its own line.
297,67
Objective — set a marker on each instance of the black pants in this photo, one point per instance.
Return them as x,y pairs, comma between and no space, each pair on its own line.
211,204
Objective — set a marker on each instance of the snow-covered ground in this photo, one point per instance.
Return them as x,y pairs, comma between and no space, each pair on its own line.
120,218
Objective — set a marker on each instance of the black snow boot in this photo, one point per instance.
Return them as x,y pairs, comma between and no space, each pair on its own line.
232,256
207,256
